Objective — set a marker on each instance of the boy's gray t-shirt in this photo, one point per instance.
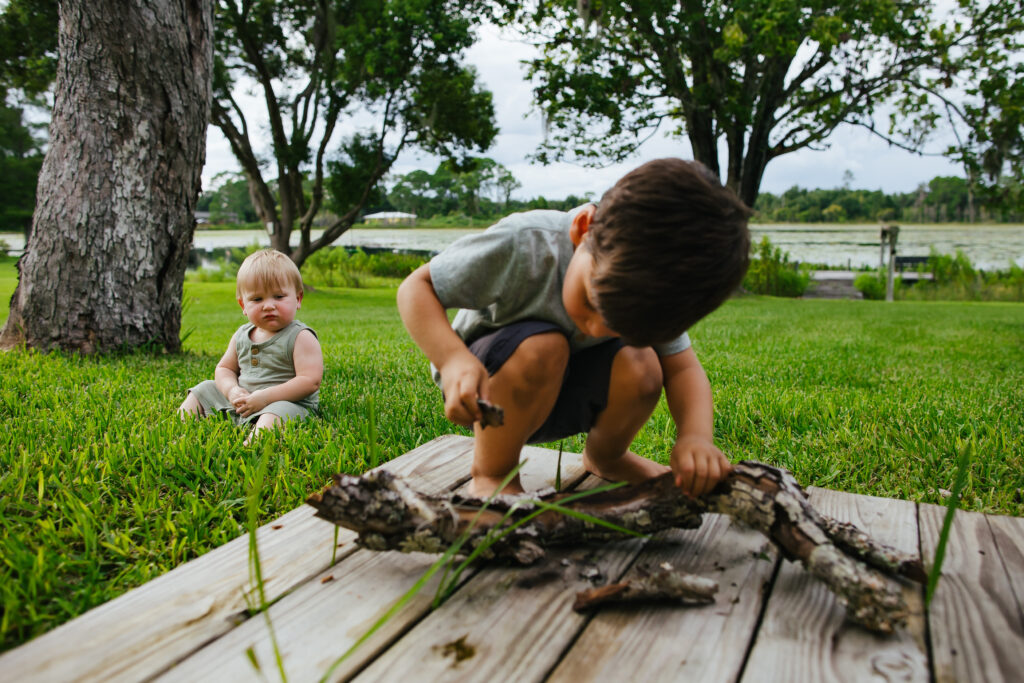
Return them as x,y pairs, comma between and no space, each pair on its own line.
514,271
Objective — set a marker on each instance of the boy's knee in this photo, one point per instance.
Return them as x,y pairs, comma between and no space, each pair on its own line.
640,370
541,359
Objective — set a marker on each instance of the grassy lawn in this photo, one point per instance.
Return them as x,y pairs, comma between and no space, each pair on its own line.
102,488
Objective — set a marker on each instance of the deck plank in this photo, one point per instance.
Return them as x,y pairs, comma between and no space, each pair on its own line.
974,617
502,624
149,628
805,635
1008,533
324,617
496,627
675,642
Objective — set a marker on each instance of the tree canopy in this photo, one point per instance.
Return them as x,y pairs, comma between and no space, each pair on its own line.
389,72
477,186
28,65
754,80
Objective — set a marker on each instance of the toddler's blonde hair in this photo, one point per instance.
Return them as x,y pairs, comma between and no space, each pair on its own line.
267,268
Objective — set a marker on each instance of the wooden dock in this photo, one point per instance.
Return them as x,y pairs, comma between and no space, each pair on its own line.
770,621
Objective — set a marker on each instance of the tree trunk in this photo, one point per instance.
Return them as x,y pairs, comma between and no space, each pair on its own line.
117,191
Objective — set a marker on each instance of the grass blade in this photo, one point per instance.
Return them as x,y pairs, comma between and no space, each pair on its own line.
963,467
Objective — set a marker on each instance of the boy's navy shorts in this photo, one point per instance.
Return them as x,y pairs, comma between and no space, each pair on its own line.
584,391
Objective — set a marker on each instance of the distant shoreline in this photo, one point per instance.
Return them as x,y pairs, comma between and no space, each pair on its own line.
989,246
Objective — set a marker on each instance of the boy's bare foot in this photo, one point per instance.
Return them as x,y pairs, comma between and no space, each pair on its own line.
629,467
485,487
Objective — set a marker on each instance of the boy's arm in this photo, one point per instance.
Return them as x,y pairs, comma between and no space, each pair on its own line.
309,372
463,376
697,464
225,376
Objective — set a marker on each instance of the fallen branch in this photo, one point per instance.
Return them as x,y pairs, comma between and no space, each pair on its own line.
667,584
390,515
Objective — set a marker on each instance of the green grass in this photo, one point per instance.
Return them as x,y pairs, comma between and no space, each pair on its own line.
102,488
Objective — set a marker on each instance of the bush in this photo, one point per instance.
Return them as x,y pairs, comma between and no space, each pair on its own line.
871,285
954,278
394,265
337,267
771,273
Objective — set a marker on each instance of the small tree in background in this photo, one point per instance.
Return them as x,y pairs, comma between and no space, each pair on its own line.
318,66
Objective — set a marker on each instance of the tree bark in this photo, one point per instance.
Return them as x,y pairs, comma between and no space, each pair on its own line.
117,192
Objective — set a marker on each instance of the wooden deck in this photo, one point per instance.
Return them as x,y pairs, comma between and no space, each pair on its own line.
770,622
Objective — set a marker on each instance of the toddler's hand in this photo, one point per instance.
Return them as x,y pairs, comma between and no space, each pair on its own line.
463,380
698,465
249,403
236,393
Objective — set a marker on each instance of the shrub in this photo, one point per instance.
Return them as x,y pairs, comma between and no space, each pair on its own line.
394,265
954,278
337,267
771,273
334,267
871,285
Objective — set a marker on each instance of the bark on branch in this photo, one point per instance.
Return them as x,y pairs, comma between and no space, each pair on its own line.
389,515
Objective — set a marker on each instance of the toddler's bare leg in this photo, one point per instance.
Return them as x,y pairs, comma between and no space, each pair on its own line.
527,387
264,421
633,392
191,406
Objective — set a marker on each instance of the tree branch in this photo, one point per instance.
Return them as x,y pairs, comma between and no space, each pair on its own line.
389,515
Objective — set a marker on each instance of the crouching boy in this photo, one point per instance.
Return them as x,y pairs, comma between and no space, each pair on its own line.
575,322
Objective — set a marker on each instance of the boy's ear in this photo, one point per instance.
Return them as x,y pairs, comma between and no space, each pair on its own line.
241,304
581,223
298,298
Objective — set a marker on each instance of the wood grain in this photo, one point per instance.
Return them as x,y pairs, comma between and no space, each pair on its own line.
325,616
151,627
504,624
974,617
1008,533
805,635
674,642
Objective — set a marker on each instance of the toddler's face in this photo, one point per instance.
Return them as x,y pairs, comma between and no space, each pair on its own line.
272,307
578,296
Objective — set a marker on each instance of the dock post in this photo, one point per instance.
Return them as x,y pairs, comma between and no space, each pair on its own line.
890,233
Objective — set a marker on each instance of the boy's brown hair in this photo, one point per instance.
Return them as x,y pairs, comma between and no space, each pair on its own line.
267,268
670,244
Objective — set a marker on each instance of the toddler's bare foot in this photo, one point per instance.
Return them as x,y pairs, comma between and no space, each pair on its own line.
629,467
251,436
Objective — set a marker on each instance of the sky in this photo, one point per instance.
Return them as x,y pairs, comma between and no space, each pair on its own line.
874,164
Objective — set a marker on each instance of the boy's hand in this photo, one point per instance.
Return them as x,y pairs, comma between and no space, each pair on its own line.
698,465
463,380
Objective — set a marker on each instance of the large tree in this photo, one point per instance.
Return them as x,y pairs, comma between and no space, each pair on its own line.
764,77
319,65
113,223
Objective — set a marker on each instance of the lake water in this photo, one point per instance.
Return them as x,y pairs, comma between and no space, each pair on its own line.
987,246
